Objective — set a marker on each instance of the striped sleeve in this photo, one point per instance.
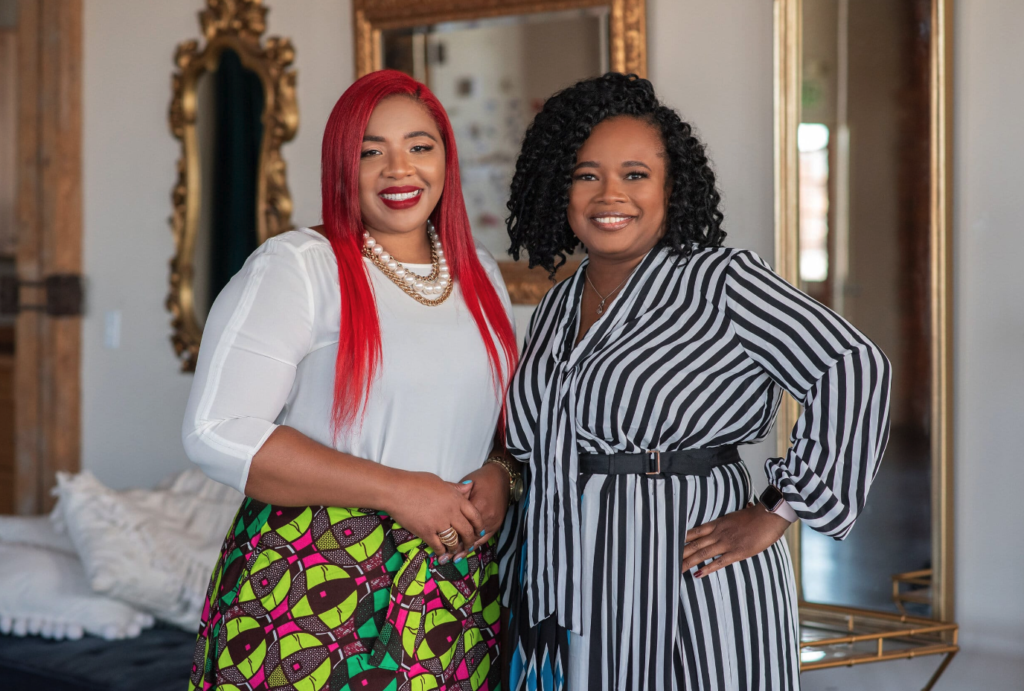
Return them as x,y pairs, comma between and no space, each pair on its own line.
838,375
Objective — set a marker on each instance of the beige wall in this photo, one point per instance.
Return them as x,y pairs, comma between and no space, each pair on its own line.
711,60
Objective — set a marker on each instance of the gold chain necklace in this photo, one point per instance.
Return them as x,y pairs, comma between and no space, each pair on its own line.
422,289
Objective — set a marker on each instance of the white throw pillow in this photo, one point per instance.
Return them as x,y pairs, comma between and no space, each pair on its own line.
44,592
154,549
36,531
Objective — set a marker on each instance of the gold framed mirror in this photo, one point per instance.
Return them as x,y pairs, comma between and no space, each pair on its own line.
862,205
233,106
492,64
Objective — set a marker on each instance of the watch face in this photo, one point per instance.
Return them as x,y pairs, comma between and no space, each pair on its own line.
517,489
771,497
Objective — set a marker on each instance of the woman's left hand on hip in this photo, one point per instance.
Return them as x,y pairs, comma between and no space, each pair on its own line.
733,537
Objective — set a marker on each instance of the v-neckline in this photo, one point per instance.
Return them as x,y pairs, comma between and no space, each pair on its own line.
577,346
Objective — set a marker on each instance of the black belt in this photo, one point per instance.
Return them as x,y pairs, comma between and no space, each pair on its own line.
688,462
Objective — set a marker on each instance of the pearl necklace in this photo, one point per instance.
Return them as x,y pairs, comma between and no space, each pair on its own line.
427,290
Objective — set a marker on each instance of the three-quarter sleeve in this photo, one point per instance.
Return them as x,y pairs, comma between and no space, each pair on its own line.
839,376
258,330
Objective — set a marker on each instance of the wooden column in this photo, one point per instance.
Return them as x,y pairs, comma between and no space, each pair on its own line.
8,239
48,376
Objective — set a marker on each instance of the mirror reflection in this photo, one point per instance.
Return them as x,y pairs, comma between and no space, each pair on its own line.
229,134
865,220
493,76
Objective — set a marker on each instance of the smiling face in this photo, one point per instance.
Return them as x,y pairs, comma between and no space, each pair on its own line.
401,167
618,197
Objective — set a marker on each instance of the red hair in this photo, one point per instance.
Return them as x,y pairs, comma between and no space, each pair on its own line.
359,345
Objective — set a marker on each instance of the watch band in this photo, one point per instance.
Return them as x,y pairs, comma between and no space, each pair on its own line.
515,478
773,501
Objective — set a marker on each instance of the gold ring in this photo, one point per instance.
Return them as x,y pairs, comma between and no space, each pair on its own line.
449,538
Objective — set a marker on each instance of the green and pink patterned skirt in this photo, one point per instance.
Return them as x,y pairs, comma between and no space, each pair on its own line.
326,599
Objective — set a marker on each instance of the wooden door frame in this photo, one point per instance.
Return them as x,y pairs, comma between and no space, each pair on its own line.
49,189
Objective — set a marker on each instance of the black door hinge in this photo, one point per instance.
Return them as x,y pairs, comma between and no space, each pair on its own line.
63,295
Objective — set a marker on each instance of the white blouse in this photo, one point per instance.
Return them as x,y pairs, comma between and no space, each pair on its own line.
268,356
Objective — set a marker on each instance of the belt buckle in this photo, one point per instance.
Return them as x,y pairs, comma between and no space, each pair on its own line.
657,459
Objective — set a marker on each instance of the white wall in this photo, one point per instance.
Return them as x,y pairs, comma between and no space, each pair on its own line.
712,61
989,344
133,397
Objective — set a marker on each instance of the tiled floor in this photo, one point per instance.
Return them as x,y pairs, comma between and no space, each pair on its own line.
969,671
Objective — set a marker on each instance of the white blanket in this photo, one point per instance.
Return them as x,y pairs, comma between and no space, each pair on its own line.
44,592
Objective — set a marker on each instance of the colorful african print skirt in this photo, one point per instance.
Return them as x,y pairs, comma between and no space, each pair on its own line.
328,599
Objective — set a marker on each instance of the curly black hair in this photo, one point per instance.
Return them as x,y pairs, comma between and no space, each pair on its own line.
540,188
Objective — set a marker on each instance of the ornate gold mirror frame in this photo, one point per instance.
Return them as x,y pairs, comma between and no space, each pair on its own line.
235,25
627,45
847,635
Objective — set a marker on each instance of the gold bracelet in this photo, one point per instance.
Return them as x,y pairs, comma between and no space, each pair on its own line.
515,478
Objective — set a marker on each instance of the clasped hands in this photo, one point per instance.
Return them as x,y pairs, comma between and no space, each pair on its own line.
730,538
476,507
426,505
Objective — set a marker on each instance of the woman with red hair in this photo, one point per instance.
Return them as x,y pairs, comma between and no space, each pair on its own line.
361,363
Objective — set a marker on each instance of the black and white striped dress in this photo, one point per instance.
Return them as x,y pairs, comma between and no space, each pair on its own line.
694,353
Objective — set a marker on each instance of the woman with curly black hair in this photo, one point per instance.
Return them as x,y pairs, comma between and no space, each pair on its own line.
640,558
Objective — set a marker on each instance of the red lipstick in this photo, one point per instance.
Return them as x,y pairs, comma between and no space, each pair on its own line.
403,197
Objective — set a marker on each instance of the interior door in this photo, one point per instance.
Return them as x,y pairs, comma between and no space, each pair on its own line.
40,248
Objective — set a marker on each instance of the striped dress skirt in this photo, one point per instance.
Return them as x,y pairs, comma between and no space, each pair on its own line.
648,626
319,598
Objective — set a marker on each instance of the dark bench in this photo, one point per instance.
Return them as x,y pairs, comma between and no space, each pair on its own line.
158,660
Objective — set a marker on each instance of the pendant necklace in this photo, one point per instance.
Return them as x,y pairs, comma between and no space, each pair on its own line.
604,298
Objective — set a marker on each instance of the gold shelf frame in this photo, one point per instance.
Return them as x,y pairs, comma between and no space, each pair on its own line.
836,631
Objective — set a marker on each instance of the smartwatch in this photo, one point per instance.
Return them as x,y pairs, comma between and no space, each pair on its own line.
772,500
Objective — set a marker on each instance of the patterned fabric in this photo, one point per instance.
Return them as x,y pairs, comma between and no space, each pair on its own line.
330,599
